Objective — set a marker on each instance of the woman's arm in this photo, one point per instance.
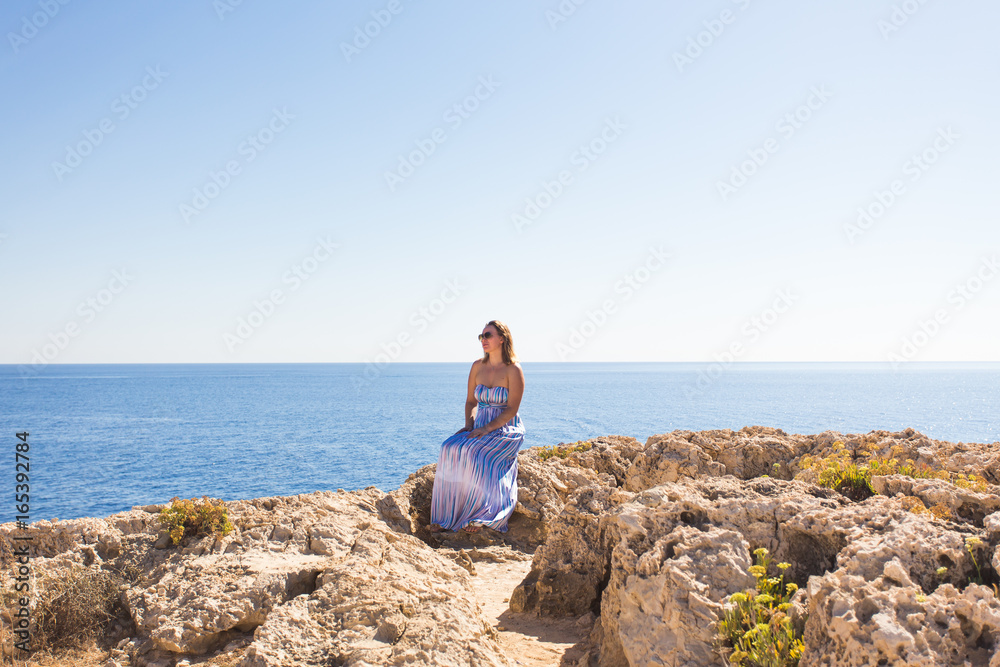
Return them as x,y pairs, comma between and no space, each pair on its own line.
470,399
516,381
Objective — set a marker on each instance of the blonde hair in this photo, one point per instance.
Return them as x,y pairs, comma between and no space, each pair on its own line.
507,346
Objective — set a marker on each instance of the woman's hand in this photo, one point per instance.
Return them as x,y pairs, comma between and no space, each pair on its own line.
477,433
466,428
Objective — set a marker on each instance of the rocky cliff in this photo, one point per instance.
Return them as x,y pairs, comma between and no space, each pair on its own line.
642,543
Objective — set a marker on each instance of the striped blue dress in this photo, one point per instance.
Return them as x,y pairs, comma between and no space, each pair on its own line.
476,478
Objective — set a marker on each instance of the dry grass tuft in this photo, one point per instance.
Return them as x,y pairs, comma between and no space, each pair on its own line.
71,608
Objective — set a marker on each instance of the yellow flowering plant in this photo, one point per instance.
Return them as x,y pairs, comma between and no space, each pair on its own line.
850,471
563,450
756,629
194,517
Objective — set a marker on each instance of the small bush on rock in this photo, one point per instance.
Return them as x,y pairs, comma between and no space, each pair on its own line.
941,511
194,517
971,481
756,627
842,471
563,450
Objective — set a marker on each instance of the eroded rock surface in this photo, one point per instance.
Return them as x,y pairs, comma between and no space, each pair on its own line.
317,579
673,594
735,488
388,602
644,542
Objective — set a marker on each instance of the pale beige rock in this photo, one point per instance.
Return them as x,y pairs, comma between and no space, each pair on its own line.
750,452
390,601
639,545
891,622
572,567
569,570
202,595
817,530
757,510
198,609
668,605
963,503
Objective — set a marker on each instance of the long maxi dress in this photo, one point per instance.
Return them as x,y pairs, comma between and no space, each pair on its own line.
476,478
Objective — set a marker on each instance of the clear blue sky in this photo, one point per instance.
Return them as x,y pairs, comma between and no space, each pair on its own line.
664,129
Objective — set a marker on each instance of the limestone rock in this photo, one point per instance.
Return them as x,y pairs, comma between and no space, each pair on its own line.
963,503
391,601
750,452
678,486
644,543
206,593
890,621
570,569
670,601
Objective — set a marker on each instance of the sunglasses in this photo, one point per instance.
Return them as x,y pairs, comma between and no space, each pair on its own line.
485,336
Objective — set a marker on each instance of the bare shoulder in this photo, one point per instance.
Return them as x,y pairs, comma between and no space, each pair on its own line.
515,371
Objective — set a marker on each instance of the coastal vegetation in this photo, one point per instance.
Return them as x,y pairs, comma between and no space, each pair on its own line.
195,517
850,471
756,629
563,450
72,606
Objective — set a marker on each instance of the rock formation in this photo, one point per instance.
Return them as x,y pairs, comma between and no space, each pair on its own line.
647,542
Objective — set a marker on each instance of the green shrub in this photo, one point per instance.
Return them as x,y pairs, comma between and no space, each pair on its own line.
756,626
194,517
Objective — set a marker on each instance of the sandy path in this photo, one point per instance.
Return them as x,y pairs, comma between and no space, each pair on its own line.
526,639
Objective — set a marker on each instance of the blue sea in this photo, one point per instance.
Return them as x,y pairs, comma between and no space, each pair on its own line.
106,437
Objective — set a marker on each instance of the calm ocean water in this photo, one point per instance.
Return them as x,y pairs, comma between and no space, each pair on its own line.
106,437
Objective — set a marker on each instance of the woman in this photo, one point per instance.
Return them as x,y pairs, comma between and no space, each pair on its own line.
475,483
